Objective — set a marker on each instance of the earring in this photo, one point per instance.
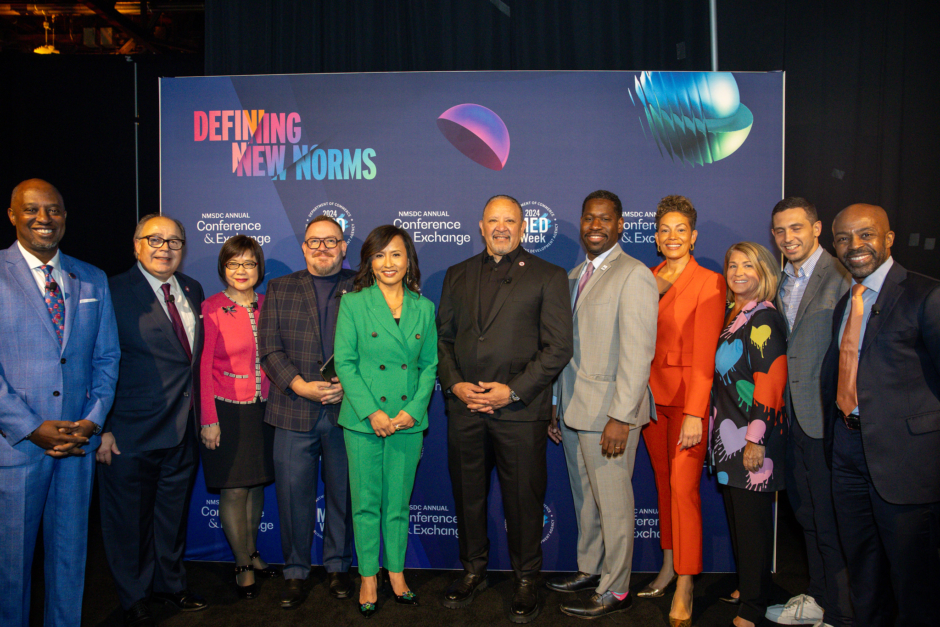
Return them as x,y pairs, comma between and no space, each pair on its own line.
692,249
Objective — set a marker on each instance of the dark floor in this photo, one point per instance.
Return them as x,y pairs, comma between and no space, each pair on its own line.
215,582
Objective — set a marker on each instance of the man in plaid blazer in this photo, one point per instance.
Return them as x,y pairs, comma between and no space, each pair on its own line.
295,339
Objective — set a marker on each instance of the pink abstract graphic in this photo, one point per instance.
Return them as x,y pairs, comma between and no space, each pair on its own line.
478,133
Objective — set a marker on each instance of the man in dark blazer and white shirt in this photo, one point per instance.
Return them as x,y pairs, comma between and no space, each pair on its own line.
504,333
881,394
295,339
811,284
147,454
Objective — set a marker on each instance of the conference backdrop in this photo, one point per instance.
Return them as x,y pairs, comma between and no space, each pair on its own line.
262,155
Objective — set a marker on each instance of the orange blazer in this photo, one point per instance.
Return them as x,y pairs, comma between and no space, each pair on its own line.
691,316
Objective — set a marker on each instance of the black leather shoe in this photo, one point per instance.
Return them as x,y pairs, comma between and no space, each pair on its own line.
184,601
730,600
341,585
268,571
461,592
245,592
293,594
525,604
573,583
139,615
598,605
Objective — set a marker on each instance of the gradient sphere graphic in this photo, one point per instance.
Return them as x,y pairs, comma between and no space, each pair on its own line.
696,117
478,133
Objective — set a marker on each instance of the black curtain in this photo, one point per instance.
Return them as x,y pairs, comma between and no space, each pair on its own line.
860,123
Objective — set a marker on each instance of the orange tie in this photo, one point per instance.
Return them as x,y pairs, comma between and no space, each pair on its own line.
847,395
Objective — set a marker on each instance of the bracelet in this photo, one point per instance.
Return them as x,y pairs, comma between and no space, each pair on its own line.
211,424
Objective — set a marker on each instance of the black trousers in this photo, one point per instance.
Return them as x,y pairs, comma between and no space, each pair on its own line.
144,498
475,444
809,487
751,520
888,547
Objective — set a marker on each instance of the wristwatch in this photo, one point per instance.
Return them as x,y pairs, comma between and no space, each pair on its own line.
514,397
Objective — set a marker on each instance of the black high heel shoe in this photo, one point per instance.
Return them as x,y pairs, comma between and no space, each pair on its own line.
268,571
245,592
408,598
369,609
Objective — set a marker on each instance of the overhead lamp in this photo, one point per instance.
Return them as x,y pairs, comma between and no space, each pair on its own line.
48,48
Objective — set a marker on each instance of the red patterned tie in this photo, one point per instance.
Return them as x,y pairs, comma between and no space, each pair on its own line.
584,280
178,327
54,302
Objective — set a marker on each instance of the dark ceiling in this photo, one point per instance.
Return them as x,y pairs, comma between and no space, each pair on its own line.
103,27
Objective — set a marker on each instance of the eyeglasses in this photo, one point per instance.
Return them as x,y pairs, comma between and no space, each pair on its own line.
156,241
247,265
314,242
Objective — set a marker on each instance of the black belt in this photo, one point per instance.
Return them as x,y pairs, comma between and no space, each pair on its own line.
851,421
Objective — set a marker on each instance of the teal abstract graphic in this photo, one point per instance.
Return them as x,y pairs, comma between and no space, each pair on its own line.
694,117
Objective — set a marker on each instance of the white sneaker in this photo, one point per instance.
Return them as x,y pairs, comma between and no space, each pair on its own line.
821,623
800,610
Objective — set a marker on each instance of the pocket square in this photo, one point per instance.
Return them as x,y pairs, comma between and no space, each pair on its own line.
88,300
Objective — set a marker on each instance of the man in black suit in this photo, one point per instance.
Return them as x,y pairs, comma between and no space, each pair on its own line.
881,394
295,338
147,454
505,332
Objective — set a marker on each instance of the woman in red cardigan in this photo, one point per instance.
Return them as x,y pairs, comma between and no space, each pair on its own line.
691,310
237,458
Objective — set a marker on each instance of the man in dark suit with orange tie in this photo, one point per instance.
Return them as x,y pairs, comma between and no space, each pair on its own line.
881,394
147,454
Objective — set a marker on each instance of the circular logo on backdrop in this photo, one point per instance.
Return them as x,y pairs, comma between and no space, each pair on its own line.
548,523
541,226
339,213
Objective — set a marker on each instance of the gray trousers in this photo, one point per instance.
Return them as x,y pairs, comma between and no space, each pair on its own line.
297,457
602,490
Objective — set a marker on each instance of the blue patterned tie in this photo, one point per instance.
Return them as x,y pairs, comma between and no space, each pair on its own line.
54,302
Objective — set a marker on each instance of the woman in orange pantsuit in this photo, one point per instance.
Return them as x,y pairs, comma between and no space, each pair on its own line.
691,316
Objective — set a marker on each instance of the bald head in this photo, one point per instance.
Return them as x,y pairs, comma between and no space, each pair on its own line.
863,238
38,214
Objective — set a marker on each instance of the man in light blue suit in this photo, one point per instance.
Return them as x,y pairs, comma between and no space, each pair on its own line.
59,357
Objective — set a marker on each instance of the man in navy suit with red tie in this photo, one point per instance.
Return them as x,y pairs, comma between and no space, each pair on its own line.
147,455
881,395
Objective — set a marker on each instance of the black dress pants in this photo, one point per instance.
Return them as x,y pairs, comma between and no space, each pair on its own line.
751,520
809,488
888,547
475,444
144,497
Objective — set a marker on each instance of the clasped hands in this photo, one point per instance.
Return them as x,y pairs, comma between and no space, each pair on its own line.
62,438
318,391
484,398
385,426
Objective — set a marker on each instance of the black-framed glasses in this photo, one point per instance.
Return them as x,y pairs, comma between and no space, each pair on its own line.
329,242
156,241
247,265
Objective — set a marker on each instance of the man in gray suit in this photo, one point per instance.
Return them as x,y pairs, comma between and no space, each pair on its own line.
811,284
602,402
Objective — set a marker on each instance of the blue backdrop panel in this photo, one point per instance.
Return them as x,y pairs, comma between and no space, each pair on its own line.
262,155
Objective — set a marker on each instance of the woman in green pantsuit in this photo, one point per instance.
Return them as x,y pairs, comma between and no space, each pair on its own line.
386,359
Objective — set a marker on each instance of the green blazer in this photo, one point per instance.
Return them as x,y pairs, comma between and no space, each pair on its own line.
381,364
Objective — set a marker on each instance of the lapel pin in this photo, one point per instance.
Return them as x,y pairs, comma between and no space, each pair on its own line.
71,275
604,267
521,263
186,288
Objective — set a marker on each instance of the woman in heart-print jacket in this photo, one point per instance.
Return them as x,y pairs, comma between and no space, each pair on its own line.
748,426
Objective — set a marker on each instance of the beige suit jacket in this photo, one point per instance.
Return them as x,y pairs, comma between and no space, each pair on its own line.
614,344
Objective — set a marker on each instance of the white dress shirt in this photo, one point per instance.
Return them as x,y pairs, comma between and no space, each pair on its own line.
179,298
38,275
